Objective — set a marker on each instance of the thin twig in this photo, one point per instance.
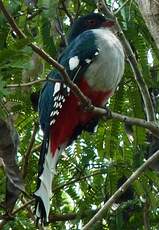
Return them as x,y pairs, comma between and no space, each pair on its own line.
78,8
23,206
65,9
32,83
120,191
59,29
121,7
28,151
36,13
25,84
145,215
75,180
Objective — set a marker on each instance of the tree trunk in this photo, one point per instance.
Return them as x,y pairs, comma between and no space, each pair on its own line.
150,12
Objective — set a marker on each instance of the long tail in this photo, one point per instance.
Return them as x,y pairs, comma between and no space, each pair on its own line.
47,164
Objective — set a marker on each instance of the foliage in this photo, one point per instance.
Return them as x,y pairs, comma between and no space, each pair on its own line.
93,167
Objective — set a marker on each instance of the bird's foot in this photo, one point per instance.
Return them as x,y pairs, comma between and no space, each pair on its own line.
108,114
86,105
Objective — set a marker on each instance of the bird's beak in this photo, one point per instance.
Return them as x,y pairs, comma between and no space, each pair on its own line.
108,23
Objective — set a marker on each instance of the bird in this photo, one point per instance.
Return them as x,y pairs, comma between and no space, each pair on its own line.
94,60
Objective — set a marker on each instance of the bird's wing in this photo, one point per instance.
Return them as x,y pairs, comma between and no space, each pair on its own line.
76,58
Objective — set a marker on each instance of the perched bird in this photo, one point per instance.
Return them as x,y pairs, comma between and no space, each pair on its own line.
94,60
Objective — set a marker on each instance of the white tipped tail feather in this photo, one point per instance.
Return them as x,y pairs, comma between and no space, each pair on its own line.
44,191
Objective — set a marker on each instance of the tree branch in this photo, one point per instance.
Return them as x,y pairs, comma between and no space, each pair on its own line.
150,114
70,216
121,190
151,126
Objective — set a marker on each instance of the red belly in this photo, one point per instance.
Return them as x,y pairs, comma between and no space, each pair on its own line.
71,115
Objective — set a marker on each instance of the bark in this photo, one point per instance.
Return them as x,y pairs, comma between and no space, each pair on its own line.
8,153
150,12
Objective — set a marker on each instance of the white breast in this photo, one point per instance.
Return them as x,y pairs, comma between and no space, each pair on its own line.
107,69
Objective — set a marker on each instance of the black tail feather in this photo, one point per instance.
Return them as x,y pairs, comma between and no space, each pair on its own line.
38,201
39,204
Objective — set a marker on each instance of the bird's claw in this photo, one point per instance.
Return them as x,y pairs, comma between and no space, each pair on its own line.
86,105
107,113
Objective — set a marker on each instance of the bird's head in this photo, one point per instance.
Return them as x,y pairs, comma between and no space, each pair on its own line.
90,21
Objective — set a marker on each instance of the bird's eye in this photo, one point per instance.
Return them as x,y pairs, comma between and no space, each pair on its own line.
91,22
